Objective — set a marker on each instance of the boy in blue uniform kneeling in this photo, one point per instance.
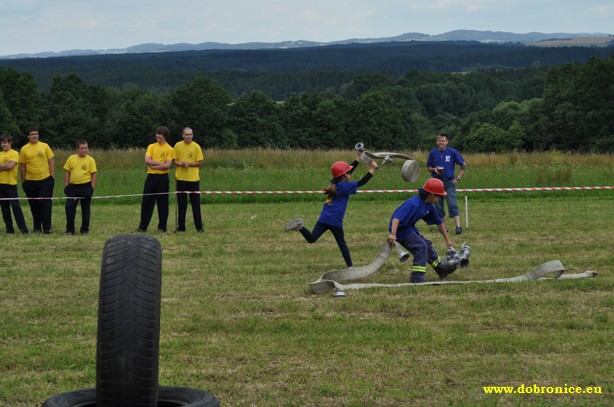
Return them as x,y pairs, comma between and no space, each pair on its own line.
403,230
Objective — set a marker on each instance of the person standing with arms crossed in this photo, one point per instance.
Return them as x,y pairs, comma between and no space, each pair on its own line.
441,163
9,160
80,178
158,159
37,172
188,157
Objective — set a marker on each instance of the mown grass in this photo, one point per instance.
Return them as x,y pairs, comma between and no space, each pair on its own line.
123,173
239,320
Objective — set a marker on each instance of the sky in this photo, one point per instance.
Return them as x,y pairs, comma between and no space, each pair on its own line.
32,26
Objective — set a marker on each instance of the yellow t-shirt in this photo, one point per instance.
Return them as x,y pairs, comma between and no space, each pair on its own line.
188,153
9,176
159,152
80,168
36,159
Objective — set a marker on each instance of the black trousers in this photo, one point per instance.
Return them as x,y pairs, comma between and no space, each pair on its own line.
338,233
41,208
156,184
10,191
85,192
182,204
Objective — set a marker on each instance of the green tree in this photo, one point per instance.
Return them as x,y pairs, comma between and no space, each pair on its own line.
296,119
202,105
377,121
135,115
74,111
22,98
486,138
8,125
255,121
329,128
579,105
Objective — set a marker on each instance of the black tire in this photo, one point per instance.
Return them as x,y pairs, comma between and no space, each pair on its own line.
128,339
77,398
168,396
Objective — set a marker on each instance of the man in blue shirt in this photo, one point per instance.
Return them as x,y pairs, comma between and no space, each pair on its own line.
403,229
441,164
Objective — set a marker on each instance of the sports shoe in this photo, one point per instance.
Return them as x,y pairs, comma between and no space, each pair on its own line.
139,230
69,233
441,272
295,224
459,230
416,277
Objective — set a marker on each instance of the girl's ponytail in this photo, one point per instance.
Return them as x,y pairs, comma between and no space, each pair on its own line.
330,191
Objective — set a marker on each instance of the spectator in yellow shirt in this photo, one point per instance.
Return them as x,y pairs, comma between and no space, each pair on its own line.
158,159
188,157
37,171
80,178
9,160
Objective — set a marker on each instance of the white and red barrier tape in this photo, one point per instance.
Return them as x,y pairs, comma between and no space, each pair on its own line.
365,191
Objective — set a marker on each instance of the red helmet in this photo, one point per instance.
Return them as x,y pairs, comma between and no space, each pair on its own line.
435,186
340,168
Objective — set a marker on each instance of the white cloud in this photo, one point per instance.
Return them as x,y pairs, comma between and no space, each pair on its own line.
56,25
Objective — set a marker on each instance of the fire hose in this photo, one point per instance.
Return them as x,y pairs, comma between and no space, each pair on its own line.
329,280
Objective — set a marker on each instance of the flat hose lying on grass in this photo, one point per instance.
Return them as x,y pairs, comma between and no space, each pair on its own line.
328,280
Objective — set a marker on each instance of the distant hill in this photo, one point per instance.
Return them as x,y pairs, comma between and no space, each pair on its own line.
281,72
500,37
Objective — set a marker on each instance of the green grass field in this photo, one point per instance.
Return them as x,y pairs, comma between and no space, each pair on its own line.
238,318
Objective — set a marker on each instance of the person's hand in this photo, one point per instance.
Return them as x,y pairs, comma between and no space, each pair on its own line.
392,238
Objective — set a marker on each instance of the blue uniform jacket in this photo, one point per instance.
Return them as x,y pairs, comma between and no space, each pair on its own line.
333,213
447,159
410,212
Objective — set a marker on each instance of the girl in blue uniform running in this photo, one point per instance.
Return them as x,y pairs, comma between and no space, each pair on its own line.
331,218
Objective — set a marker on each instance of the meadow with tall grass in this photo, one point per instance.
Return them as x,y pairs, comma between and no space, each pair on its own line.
238,318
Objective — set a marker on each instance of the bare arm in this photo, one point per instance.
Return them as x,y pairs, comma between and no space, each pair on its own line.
432,170
392,237
51,162
66,178
444,233
7,166
149,162
161,165
461,172
158,165
373,167
187,163
94,179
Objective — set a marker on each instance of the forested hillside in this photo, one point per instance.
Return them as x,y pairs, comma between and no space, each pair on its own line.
488,98
311,69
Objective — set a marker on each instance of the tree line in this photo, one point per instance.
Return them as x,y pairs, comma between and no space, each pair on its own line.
281,72
568,107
